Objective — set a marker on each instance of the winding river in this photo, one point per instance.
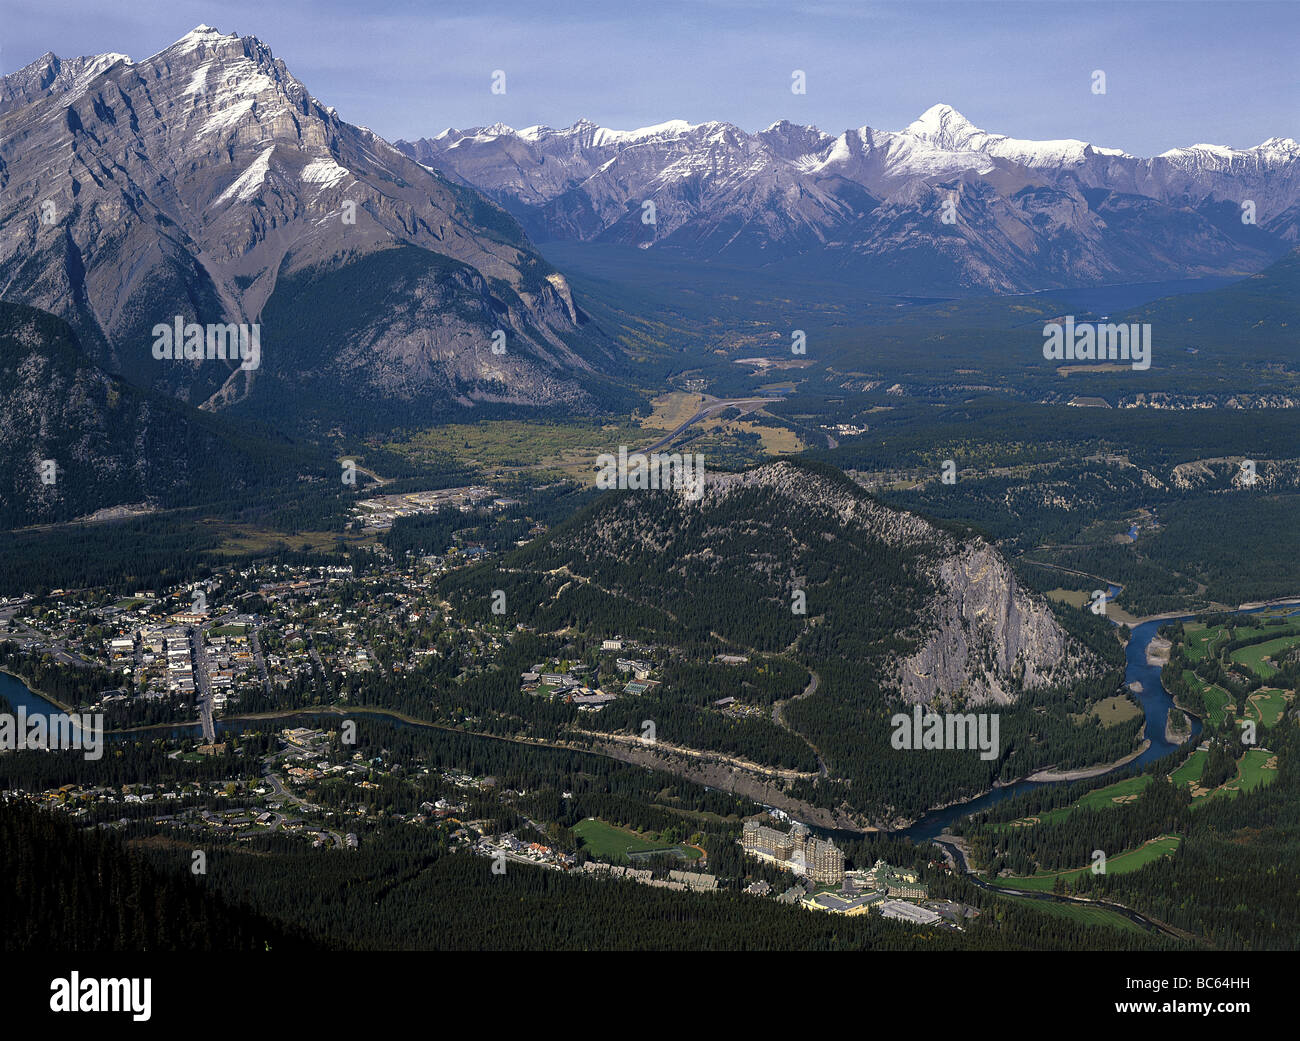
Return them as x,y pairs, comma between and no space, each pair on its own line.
1154,699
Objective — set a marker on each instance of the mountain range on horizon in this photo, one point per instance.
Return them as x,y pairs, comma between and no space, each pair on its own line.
207,182
941,124
870,204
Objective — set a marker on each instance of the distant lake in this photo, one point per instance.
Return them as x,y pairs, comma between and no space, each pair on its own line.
1113,299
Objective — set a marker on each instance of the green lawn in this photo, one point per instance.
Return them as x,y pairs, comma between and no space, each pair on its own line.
1120,864
1191,769
1252,772
1093,916
1104,798
1200,640
1216,698
1098,799
1253,657
611,843
1266,706
1247,632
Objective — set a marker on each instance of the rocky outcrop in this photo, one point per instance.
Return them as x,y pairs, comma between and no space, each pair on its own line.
982,637
990,638
1178,728
1236,473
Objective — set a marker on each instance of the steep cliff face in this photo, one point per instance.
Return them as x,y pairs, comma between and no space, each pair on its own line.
981,637
989,638
1235,474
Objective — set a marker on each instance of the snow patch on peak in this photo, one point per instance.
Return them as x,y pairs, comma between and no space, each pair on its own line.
250,181
199,36
324,172
794,135
1280,150
100,63
199,79
605,136
944,128
940,113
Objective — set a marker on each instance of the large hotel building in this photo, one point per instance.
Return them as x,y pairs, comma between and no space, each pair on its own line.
817,859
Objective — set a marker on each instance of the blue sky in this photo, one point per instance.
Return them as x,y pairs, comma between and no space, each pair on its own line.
1178,73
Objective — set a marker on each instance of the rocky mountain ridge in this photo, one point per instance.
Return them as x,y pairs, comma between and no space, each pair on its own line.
207,182
939,205
76,440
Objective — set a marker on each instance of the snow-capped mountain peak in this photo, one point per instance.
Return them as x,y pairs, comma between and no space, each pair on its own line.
229,184
720,189
670,128
944,127
198,37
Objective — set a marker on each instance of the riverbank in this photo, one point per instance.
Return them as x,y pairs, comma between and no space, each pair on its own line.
1050,775
315,710
1191,612
1047,775
950,844
68,709
1281,601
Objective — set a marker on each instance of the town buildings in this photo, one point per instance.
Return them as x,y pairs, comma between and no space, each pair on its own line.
897,882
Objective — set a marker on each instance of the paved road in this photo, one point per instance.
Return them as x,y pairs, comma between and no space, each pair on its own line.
203,683
55,648
957,859
707,409
281,792
261,662
1072,571
778,717
315,657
